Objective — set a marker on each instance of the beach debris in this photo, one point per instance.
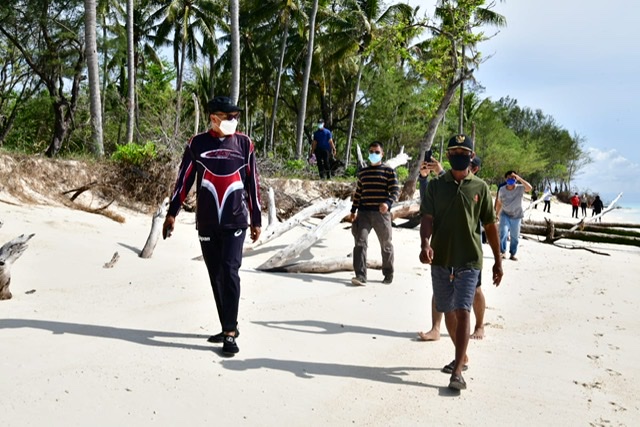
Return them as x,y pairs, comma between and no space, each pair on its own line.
156,229
114,259
286,255
9,253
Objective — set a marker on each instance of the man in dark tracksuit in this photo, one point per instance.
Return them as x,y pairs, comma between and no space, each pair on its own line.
222,162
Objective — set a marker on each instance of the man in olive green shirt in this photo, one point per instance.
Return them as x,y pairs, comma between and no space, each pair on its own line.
452,210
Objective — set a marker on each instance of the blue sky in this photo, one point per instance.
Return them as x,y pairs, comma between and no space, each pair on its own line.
577,61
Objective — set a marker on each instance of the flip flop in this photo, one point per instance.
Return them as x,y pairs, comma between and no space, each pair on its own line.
448,369
456,382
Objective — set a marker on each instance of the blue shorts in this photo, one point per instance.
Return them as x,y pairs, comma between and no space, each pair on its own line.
454,288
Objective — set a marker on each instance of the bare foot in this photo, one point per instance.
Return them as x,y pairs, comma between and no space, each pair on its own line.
478,334
432,335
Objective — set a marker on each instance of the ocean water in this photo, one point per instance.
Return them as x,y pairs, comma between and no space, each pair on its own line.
626,212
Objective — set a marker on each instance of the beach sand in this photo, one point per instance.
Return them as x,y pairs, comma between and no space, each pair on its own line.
85,345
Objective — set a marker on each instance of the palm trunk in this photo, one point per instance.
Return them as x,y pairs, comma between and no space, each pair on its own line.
274,111
235,51
130,73
305,80
352,117
95,106
183,54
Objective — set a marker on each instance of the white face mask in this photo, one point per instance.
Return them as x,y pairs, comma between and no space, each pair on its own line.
228,127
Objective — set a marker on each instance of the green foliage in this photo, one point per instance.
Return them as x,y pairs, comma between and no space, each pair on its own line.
403,173
295,165
351,171
401,87
135,154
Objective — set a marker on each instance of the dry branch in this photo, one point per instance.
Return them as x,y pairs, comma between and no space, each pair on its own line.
114,259
9,253
156,229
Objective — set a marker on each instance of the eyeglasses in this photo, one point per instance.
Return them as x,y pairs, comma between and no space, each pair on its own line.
227,116
374,152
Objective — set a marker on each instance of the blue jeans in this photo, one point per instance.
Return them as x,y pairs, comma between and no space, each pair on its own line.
509,227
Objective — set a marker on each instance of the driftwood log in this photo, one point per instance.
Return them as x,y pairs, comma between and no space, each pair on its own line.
277,229
286,255
9,253
549,231
327,265
156,229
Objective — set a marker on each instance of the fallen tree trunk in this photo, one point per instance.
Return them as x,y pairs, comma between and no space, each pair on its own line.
617,229
284,256
406,209
277,229
156,229
550,235
328,265
9,253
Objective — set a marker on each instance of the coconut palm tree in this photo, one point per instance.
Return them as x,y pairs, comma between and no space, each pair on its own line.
91,47
189,21
448,12
305,80
354,31
234,91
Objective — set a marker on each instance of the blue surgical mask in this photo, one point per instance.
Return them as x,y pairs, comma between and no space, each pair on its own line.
511,181
320,125
375,158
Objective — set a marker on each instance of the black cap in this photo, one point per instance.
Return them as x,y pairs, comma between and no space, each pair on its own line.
222,104
460,141
476,161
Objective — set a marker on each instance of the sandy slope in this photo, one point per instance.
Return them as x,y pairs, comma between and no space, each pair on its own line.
126,346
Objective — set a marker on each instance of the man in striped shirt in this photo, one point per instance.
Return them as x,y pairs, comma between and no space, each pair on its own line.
377,188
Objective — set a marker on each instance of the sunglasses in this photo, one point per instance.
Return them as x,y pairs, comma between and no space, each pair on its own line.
374,152
227,116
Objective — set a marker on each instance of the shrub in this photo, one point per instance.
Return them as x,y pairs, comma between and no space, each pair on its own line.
295,165
135,154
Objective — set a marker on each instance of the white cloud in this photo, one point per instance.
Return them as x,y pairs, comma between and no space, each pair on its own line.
609,174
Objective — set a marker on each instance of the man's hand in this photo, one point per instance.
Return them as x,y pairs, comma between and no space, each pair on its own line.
352,217
426,255
383,208
167,227
497,273
424,169
255,233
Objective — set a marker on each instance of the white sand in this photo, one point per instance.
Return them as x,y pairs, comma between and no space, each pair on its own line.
127,345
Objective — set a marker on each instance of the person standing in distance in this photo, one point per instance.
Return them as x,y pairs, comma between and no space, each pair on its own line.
222,163
376,190
452,210
324,149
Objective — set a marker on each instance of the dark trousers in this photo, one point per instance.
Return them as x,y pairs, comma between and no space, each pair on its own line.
574,211
222,253
583,207
381,224
547,206
323,157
